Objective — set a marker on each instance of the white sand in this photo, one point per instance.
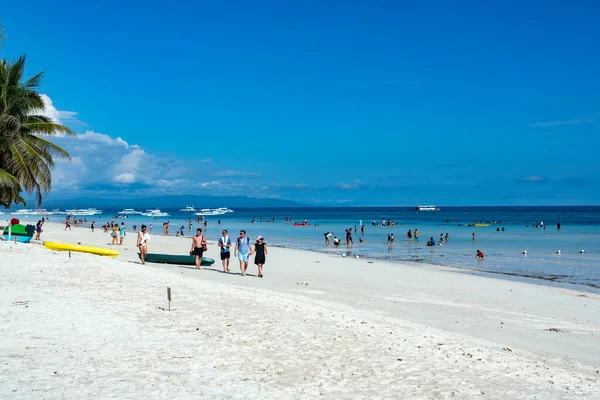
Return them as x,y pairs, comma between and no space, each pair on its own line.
93,327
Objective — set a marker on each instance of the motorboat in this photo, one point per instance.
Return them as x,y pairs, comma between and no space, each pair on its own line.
188,209
425,208
129,211
82,212
25,211
214,211
155,213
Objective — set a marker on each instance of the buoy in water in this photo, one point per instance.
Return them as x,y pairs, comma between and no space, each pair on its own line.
524,252
582,251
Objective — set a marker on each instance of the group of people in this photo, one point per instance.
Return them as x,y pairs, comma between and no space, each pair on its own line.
243,249
337,241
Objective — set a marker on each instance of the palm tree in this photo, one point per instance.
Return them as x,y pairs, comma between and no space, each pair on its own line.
26,157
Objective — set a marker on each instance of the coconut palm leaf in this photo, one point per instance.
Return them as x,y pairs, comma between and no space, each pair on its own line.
24,154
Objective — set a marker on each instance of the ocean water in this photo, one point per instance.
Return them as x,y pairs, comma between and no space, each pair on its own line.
580,230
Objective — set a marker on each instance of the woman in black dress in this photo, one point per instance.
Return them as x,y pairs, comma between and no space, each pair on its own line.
260,249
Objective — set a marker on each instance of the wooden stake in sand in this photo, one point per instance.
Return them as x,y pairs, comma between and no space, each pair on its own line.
169,297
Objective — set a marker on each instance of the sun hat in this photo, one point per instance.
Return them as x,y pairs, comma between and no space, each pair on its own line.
259,238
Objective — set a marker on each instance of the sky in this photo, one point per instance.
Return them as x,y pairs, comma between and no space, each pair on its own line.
325,103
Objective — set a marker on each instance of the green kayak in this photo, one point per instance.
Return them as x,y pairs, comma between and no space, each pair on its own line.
176,259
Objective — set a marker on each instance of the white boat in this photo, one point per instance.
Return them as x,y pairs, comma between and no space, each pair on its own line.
155,213
25,211
426,208
56,211
214,211
130,211
81,212
188,209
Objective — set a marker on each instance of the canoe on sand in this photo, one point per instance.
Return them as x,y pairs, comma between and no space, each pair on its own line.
99,251
176,259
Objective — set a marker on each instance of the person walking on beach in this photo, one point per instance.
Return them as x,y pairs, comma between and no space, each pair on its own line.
115,234
243,251
92,226
142,243
260,249
68,223
416,235
198,247
225,244
121,233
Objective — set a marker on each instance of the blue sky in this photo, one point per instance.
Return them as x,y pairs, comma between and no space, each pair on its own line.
368,103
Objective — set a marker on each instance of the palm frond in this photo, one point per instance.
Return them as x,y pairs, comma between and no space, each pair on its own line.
24,155
47,128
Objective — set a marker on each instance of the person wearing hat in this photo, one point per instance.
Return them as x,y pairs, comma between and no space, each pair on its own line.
260,249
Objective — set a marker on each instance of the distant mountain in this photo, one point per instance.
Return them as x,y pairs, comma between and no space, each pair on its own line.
171,202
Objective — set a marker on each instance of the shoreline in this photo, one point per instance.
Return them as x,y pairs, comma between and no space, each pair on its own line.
502,337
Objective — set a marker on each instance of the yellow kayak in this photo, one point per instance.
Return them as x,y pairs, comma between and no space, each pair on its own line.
83,249
482,224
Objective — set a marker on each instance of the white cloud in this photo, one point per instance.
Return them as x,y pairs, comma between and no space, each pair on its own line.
102,138
127,177
235,174
55,115
204,185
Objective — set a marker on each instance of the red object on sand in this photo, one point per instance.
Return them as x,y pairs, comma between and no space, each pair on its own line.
14,221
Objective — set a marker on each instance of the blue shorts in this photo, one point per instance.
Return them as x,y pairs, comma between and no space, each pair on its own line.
243,256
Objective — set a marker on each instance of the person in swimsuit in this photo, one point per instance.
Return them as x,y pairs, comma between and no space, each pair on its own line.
349,241
115,234
142,243
328,236
260,249
38,230
198,247
480,255
68,223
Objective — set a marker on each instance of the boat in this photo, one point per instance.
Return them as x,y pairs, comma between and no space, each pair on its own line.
19,233
25,211
175,259
83,212
99,251
481,224
300,224
188,209
129,211
56,211
425,208
155,213
214,211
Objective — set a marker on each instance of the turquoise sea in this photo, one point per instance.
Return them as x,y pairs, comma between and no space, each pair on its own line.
580,230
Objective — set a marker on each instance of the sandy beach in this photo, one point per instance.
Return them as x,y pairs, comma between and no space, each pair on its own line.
317,325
